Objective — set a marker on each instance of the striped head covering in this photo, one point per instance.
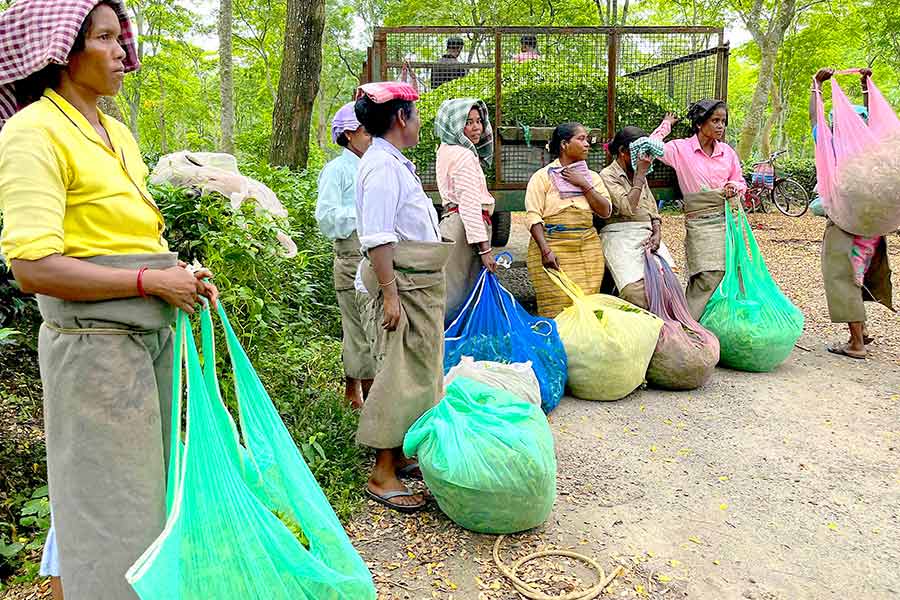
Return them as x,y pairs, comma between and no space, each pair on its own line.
344,120
646,146
451,121
380,92
37,33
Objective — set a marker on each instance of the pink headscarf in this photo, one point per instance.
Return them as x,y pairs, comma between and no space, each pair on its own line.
36,33
344,120
380,92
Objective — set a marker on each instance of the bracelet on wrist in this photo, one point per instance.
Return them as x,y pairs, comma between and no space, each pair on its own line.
384,285
140,282
483,252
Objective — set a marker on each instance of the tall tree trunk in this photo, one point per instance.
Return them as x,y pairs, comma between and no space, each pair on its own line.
753,122
299,84
768,31
226,77
134,104
765,138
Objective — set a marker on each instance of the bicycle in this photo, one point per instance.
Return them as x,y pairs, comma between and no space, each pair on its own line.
788,195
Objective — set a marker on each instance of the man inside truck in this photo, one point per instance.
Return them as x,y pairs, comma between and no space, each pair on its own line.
448,67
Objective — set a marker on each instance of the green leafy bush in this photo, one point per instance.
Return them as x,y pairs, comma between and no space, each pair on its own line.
283,310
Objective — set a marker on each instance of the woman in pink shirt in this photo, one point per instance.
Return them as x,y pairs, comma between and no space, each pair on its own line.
709,173
466,140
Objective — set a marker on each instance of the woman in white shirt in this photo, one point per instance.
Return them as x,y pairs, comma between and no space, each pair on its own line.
404,274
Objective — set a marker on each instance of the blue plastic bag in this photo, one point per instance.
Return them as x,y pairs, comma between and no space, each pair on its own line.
493,326
817,207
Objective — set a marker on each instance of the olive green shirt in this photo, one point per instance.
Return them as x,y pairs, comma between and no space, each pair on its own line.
618,184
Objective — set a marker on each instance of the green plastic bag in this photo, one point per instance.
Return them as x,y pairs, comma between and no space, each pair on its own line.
487,456
756,324
246,521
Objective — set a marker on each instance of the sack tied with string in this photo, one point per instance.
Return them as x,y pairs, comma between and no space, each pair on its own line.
756,324
487,456
493,326
686,353
609,342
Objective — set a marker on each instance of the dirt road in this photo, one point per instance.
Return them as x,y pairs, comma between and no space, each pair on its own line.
760,486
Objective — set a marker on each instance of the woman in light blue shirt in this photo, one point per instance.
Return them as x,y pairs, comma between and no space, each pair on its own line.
336,215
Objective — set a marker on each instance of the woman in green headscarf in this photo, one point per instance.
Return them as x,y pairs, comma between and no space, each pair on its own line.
466,138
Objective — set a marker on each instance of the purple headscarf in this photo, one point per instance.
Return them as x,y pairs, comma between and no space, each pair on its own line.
344,120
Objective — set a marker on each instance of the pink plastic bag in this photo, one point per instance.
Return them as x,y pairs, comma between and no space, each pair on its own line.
686,353
858,189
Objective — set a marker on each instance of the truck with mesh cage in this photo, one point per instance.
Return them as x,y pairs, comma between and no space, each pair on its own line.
533,78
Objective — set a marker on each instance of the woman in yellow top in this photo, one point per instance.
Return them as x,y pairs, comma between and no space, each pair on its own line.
561,201
81,231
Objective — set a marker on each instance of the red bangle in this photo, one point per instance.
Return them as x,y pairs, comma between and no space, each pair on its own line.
140,282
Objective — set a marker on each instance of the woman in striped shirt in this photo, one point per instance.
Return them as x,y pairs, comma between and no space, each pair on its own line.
464,130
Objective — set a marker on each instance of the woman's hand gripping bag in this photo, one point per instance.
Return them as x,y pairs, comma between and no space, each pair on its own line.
857,162
609,342
686,353
492,326
756,324
487,456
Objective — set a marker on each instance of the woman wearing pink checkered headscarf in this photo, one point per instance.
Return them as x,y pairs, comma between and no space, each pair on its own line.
81,231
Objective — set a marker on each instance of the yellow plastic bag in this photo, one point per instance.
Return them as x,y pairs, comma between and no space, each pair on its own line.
609,342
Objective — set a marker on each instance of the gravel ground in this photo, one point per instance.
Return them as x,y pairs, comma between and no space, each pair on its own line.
774,486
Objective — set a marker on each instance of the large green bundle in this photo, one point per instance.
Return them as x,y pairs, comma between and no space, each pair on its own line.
542,94
756,324
487,456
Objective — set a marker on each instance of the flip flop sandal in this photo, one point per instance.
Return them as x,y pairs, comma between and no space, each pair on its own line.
410,471
841,350
385,500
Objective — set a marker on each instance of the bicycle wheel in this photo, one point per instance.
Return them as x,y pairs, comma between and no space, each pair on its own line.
790,198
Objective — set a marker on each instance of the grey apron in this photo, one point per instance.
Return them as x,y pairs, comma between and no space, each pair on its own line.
357,352
409,360
704,229
844,297
106,369
704,247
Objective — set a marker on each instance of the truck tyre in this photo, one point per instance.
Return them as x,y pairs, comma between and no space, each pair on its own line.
501,224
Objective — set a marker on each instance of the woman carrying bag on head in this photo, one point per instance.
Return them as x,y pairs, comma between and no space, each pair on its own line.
855,269
81,231
561,201
463,127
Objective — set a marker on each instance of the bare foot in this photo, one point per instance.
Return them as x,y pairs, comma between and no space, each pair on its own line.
355,401
353,393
